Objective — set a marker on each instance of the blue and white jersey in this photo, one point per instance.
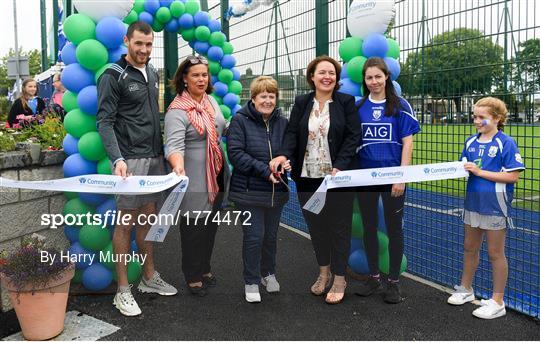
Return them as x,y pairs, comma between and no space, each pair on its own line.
500,154
381,141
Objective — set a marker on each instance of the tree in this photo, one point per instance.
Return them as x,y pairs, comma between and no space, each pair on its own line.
527,61
34,61
454,63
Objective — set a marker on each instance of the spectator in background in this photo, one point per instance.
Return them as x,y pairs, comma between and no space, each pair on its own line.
59,90
28,107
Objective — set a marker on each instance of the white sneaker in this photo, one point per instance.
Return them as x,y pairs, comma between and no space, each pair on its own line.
252,294
156,285
126,304
461,296
490,309
271,283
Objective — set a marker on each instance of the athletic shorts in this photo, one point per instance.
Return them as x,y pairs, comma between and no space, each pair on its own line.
141,167
487,222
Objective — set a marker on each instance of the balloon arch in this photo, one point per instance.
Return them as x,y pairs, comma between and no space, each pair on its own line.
95,37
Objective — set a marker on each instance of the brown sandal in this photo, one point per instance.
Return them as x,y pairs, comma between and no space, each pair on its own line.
321,285
337,291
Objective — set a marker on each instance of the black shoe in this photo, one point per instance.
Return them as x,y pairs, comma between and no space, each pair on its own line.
369,287
198,290
209,281
392,295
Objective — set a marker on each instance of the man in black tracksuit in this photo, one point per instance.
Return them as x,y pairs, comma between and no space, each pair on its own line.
129,126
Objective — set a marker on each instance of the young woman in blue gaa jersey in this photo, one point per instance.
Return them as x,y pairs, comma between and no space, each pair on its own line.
494,164
388,125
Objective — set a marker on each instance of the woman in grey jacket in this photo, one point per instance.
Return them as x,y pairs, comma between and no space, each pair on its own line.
193,127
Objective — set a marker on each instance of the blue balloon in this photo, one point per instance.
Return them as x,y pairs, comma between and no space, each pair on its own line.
134,248
393,67
151,6
68,53
172,26
110,31
356,244
87,100
72,233
75,77
214,79
106,211
397,87
357,99
192,44
228,62
214,25
186,21
165,3
343,72
236,109
358,262
201,47
220,88
347,86
146,17
76,165
201,18
230,100
375,45
97,277
70,144
215,53
77,249
93,199
115,54
236,74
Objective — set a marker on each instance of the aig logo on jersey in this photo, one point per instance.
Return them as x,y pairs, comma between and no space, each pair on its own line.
377,132
492,151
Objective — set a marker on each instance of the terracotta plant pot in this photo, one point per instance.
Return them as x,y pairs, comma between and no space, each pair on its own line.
41,312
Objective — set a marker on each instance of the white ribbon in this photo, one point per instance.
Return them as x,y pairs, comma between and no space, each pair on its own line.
382,176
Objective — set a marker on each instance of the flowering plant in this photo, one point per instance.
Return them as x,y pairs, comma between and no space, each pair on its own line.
24,268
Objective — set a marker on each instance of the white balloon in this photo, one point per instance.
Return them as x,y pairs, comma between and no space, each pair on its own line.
369,16
97,9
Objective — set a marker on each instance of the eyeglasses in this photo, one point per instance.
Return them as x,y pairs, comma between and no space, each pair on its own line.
197,60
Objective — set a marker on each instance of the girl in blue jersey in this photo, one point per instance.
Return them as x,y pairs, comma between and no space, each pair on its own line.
388,125
494,164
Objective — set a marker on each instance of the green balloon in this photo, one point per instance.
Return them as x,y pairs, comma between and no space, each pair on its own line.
101,71
356,206
235,87
131,17
138,6
393,48
354,68
357,226
350,48
226,111
104,167
217,39
79,27
214,67
226,76
163,14
218,99
107,252
383,242
192,6
157,26
91,147
202,33
69,101
188,35
77,207
134,271
94,237
228,49
91,54
77,123
70,195
177,9
384,263
77,278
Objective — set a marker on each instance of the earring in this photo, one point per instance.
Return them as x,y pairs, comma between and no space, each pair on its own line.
185,85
